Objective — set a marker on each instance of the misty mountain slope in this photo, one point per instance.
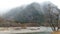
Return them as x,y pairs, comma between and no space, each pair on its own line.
33,12
46,6
13,12
30,14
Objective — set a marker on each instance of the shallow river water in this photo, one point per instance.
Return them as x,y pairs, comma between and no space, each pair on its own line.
34,33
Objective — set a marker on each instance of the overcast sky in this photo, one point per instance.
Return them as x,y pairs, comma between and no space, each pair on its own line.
8,4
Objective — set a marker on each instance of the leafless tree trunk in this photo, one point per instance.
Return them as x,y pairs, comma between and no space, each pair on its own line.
53,19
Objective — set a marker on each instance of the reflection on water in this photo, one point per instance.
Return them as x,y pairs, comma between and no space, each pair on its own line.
35,33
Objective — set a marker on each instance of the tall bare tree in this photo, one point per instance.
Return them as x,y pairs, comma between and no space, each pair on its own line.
52,18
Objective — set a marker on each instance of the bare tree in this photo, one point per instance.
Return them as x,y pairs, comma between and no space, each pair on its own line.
53,19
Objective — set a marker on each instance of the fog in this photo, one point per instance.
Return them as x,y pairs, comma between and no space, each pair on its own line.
6,5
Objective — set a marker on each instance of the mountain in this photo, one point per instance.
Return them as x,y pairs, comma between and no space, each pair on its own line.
32,13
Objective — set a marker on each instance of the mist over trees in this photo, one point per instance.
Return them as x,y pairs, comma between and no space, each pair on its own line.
32,13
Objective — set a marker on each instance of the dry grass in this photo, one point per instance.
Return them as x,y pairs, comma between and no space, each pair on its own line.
56,32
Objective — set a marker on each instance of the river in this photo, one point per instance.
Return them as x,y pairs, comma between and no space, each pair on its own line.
45,30
34,33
